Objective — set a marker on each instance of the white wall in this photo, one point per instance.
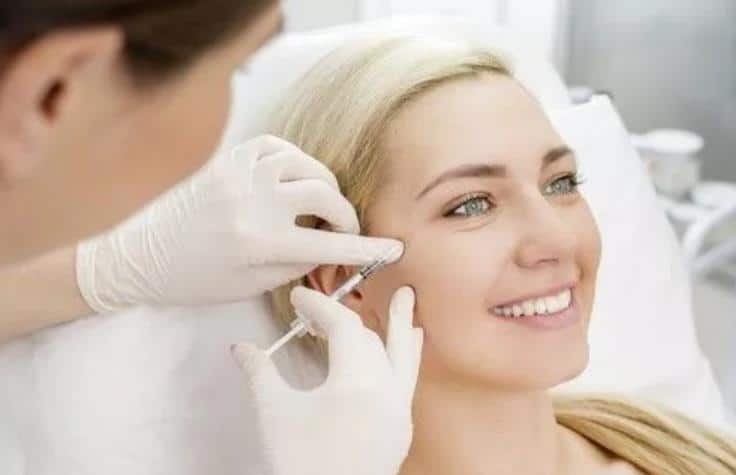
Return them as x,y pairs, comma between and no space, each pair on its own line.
311,14
489,11
544,21
546,24
668,63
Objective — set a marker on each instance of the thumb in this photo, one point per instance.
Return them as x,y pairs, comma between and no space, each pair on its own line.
404,342
260,371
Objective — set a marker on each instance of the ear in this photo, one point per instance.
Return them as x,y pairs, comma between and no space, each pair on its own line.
34,86
328,278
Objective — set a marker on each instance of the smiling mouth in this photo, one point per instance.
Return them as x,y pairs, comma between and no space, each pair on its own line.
547,305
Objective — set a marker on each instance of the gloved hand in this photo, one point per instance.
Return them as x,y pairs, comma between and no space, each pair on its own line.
358,421
226,234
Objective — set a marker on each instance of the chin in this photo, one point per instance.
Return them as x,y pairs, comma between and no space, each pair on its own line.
562,367
542,371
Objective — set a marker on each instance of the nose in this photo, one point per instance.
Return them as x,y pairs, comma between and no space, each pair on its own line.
546,237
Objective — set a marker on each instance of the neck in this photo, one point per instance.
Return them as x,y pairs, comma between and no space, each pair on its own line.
481,431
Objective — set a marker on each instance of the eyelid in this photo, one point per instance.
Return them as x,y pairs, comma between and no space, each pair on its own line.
563,174
447,212
574,176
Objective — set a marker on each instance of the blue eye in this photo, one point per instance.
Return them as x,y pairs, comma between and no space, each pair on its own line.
472,206
565,185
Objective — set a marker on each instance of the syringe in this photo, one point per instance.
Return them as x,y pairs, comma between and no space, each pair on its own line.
300,326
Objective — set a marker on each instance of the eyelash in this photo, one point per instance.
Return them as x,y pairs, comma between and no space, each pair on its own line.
468,199
574,180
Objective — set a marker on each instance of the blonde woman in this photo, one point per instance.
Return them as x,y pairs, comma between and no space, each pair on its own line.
435,143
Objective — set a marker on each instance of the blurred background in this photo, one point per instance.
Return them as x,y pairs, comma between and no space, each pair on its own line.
670,66
668,63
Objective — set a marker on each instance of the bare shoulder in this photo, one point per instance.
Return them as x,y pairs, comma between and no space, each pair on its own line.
591,458
621,467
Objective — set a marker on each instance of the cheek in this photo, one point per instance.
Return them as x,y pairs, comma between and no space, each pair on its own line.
184,128
214,108
198,119
589,254
445,270
461,272
453,275
593,241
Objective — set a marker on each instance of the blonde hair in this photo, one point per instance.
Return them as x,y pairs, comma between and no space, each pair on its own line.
339,110
655,439
338,113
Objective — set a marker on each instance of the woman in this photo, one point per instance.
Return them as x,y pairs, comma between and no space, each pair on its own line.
436,144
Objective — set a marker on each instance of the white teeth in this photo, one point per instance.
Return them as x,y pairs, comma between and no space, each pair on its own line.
565,298
552,304
538,306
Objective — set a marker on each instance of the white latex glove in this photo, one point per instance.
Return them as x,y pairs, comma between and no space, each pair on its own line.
358,421
226,234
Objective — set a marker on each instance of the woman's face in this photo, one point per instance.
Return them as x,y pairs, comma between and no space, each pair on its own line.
482,190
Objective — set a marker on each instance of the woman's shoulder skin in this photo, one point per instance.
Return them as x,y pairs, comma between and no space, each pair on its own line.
621,467
586,457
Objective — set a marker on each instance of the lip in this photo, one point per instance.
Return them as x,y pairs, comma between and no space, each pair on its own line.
543,293
555,321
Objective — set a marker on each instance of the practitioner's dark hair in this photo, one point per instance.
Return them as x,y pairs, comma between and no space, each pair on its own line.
161,36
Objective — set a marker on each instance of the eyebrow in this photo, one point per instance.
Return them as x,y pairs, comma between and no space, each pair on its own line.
482,170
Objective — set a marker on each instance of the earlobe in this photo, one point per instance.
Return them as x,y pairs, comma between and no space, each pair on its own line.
33,88
328,278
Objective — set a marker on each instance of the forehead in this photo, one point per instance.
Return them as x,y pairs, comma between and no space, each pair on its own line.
485,119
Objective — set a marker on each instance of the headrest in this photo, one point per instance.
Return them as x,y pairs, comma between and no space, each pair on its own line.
260,84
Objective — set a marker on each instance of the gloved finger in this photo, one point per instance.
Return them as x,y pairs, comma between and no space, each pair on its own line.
259,147
401,340
260,371
316,198
327,316
347,337
247,155
287,166
315,246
